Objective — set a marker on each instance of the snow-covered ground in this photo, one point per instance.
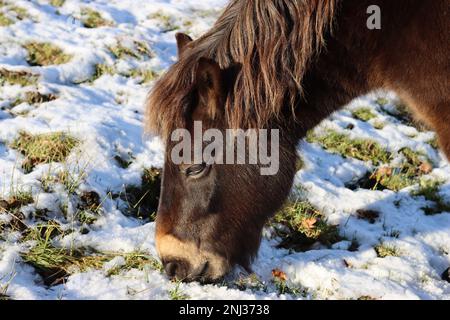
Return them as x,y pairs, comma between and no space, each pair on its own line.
106,116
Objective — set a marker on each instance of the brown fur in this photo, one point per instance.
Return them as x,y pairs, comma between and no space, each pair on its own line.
259,36
283,64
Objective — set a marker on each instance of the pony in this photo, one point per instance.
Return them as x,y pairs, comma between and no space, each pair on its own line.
285,65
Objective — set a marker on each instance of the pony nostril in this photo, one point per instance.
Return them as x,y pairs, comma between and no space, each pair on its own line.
177,269
171,269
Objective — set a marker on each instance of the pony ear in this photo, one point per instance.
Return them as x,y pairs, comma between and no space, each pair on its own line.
210,86
182,41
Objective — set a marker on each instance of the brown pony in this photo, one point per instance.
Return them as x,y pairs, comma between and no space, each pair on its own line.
287,65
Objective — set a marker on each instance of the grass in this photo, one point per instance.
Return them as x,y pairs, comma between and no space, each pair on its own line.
143,200
367,298
19,12
143,49
93,19
434,143
250,282
144,76
4,20
382,101
361,149
384,251
66,177
22,78
45,54
364,114
164,21
120,51
14,11
34,98
57,3
5,282
55,264
413,166
304,226
136,260
379,125
279,279
429,189
12,207
101,70
89,208
43,148
176,293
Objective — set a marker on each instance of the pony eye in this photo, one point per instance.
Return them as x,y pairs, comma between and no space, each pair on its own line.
195,170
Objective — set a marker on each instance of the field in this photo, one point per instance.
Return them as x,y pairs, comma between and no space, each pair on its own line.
369,216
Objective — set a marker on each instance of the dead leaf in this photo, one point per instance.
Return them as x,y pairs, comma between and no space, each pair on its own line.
383,172
280,275
426,167
309,223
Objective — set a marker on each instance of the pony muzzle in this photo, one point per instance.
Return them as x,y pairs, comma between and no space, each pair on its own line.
185,261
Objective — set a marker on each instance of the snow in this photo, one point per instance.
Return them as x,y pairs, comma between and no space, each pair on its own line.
107,116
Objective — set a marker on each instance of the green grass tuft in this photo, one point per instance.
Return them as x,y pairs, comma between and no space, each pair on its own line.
361,149
44,148
34,98
379,125
18,199
4,20
93,19
45,54
143,76
57,3
55,264
407,174
364,114
119,51
101,70
177,294
164,21
382,101
414,165
143,200
136,260
143,49
434,143
429,189
19,12
304,225
384,251
22,78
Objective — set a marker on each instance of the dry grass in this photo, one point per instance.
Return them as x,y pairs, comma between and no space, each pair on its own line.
396,178
430,190
364,114
361,149
22,78
34,98
304,225
57,3
44,148
120,51
45,54
384,251
55,264
5,20
143,200
93,19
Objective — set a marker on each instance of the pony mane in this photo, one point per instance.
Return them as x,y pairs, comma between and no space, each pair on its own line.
273,40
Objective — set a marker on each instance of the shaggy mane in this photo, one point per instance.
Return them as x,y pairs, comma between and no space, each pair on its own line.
273,41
